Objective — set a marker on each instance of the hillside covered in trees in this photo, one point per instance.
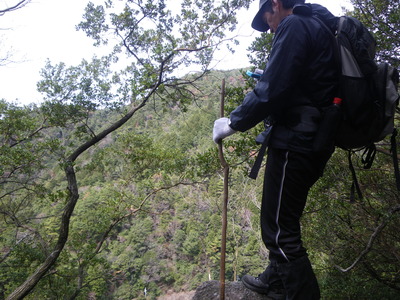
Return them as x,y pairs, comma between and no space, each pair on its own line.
149,209
111,188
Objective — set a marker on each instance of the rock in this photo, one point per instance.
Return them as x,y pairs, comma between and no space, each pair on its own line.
209,290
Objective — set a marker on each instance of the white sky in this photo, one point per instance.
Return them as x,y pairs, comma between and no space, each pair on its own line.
45,29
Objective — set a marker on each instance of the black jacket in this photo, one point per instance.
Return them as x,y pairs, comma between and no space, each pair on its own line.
301,74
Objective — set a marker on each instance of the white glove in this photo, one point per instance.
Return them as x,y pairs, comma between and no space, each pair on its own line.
222,129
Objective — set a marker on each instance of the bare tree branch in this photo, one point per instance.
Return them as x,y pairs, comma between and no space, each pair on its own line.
370,243
19,5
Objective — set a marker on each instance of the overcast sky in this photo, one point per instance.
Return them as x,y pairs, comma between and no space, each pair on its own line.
45,29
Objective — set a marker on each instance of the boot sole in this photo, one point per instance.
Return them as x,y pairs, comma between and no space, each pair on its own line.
268,292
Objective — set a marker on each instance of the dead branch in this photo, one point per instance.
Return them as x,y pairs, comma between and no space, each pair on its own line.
19,5
371,240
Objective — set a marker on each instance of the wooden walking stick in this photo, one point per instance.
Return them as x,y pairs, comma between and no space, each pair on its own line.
225,203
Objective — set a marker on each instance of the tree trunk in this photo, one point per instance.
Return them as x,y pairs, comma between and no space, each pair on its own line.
30,283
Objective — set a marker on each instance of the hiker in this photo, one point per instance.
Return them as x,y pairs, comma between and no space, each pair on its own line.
300,74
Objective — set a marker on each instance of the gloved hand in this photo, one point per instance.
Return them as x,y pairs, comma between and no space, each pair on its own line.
222,129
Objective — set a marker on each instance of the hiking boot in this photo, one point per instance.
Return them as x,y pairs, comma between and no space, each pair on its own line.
255,284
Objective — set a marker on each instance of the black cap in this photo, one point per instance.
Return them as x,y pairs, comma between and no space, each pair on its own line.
258,23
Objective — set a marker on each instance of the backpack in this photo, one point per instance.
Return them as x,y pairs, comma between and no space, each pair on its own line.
368,89
368,93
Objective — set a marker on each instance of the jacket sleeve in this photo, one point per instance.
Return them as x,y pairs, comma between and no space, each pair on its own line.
274,92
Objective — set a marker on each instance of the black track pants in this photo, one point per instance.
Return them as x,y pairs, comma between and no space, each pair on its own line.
288,178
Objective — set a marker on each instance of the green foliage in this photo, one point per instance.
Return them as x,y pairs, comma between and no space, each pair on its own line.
349,231
382,18
149,209
66,133
149,213
259,50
